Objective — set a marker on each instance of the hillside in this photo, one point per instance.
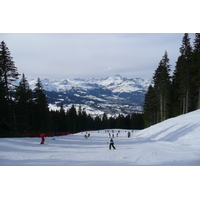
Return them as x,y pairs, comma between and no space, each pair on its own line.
174,142
112,95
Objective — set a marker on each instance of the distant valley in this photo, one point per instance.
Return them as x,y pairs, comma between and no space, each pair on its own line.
111,95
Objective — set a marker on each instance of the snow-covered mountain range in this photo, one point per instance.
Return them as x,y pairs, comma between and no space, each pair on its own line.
112,95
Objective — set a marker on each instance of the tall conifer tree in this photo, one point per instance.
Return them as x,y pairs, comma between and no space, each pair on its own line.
24,104
41,107
150,107
8,74
196,72
162,85
182,76
8,71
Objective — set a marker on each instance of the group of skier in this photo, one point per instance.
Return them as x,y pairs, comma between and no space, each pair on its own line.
111,141
87,135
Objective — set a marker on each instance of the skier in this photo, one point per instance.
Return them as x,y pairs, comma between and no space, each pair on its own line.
111,144
86,135
42,138
54,137
133,132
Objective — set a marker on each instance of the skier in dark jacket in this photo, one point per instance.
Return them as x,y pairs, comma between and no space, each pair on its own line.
129,134
111,144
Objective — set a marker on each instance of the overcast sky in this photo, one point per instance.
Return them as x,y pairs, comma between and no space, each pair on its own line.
95,55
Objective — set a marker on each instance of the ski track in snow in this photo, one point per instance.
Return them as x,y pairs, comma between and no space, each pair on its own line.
174,142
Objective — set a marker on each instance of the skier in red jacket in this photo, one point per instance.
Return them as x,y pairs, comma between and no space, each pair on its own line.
42,137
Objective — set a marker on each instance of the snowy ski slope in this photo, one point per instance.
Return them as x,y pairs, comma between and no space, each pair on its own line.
174,142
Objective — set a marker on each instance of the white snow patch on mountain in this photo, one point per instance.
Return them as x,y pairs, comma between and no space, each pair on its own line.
116,84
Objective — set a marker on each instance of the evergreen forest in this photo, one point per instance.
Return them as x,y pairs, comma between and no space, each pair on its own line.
178,92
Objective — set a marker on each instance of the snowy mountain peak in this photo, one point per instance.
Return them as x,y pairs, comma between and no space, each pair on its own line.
112,95
115,84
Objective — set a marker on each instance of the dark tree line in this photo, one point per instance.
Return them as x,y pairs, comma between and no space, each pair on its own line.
25,112
75,121
179,93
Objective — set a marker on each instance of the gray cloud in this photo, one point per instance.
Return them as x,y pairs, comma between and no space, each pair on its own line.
67,55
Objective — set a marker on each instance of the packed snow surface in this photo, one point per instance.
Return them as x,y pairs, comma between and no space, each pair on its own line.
174,142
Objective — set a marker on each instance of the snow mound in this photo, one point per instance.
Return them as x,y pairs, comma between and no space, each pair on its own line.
184,127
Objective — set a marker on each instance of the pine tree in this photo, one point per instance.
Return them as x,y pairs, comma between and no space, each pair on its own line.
137,121
127,122
196,72
42,117
4,126
8,74
8,71
111,122
97,123
55,125
120,121
85,125
182,76
162,85
62,119
24,104
105,121
71,119
150,107
82,120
